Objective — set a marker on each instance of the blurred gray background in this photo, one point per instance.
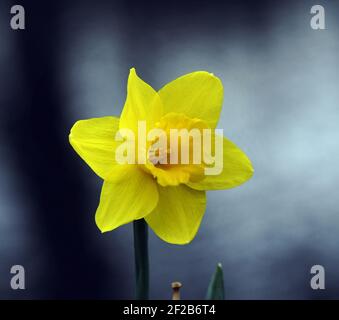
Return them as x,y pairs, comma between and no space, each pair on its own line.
281,81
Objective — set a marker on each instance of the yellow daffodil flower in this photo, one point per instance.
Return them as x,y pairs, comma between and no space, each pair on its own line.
171,198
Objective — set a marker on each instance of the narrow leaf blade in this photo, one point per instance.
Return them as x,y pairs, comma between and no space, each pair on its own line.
215,289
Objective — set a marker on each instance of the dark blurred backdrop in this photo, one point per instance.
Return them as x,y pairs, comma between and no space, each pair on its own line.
281,106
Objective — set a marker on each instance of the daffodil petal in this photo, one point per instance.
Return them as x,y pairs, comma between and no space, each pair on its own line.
130,199
177,217
94,141
197,95
142,103
237,169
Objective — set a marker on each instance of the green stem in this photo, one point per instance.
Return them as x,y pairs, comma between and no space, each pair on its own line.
141,259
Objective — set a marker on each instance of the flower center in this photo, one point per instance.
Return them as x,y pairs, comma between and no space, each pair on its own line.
158,155
171,153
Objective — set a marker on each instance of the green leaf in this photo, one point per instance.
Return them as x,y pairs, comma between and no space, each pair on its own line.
215,289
